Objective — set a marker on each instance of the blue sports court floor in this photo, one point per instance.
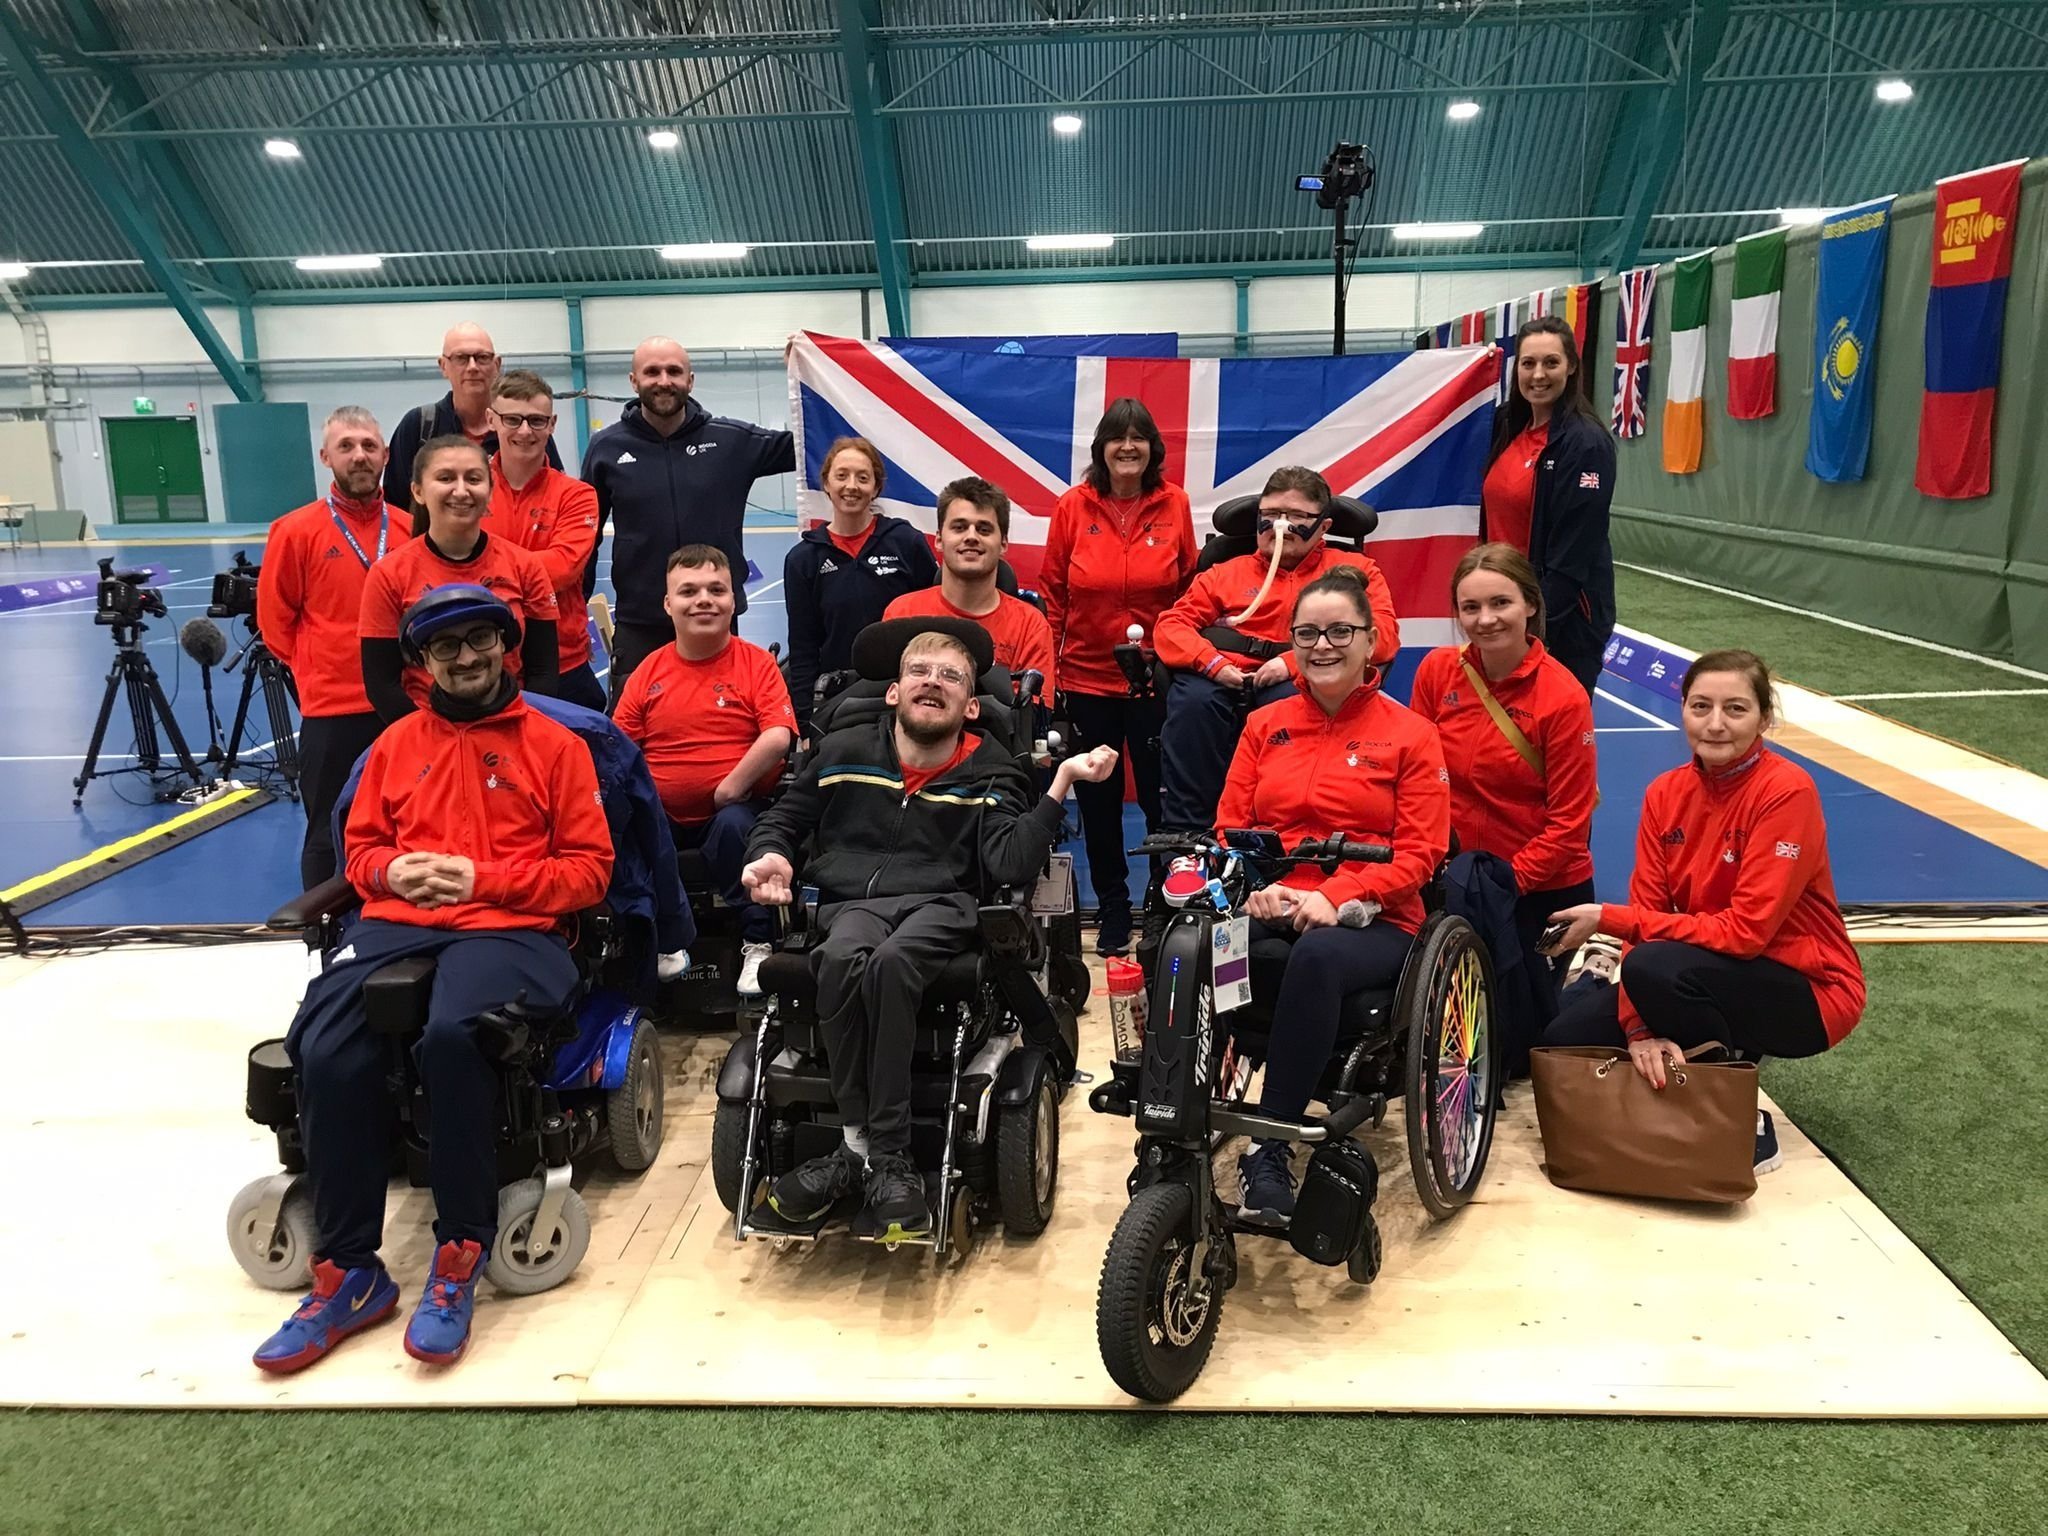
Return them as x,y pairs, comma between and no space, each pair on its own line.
55,664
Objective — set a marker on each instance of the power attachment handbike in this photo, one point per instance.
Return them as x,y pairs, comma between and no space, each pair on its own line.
1210,994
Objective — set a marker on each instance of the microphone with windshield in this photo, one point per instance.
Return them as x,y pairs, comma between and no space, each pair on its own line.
203,641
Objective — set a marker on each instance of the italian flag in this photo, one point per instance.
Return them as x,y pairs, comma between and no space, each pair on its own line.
1753,326
1684,410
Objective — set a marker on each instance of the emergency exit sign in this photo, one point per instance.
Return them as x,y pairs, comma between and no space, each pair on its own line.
144,406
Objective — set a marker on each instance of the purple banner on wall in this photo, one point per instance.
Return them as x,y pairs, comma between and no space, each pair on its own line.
1645,663
39,591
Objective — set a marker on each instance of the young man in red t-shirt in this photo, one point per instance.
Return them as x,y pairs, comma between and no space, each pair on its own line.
711,714
974,530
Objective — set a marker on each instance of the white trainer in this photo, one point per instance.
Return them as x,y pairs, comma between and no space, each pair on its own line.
751,956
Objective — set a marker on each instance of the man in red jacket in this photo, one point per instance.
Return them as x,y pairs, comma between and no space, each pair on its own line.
476,831
1205,704
307,600
537,507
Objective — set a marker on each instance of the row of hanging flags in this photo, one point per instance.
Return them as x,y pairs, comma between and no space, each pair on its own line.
1576,303
1974,217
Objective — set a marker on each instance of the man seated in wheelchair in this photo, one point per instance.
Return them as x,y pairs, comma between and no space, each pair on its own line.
1216,659
712,714
476,830
1337,756
908,822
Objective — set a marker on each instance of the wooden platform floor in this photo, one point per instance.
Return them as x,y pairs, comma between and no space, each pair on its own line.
123,1126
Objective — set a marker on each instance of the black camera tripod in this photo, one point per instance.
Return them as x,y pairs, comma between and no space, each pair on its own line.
261,669
133,675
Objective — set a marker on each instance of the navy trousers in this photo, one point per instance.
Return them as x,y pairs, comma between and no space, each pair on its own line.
344,1071
1196,743
1325,966
723,842
579,685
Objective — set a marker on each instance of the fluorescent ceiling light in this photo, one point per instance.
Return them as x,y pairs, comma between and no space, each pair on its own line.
13,271
1802,215
1066,123
1438,231
711,251
1894,90
339,263
281,149
663,138
1462,111
1069,242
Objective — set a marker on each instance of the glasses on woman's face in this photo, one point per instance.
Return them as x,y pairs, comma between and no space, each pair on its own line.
1340,636
926,671
484,639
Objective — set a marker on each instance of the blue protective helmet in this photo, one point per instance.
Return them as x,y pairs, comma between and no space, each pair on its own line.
455,606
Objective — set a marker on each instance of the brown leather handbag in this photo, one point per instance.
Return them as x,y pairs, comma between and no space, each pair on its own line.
1605,1129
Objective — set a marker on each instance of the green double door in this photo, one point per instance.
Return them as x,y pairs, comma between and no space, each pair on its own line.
154,461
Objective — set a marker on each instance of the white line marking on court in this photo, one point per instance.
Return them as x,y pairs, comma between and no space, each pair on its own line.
755,594
1951,693
1861,629
1662,725
1634,730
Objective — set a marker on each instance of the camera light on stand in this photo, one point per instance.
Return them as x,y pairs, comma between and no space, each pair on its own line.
1069,242
704,251
1462,111
1438,231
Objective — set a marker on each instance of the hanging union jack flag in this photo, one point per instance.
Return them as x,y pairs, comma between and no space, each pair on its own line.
1632,350
1405,432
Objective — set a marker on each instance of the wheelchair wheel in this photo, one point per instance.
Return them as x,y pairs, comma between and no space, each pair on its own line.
277,1258
1447,1004
633,1109
1028,1158
729,1154
523,1262
1154,1336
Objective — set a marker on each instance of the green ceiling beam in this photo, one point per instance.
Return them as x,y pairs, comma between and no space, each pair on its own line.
867,87
138,227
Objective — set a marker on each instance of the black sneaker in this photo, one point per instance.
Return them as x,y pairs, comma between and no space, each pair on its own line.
1113,931
809,1190
896,1201
1768,1158
1267,1175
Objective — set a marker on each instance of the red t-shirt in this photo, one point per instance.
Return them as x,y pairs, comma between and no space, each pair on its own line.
1508,496
851,547
1023,639
405,575
915,779
694,720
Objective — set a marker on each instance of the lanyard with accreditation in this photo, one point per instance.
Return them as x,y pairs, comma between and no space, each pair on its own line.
383,533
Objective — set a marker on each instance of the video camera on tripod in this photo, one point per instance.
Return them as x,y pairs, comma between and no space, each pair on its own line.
121,602
122,598
234,591
234,597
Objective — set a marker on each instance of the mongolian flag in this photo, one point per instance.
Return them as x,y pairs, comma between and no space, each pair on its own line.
1973,229
1753,326
1846,301
1685,406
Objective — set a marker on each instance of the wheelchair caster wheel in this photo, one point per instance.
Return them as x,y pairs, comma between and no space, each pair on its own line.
525,1262
276,1252
1366,1258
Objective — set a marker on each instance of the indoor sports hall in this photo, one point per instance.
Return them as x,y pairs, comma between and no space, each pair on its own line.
1664,369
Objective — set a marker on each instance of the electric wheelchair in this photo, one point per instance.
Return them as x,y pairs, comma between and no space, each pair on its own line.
574,1083
1431,1040
997,1039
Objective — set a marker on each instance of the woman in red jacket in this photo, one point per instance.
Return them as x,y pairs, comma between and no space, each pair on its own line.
1517,733
1120,549
1731,928
1338,757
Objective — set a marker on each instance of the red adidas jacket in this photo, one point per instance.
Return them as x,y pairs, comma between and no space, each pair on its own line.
555,517
1737,862
1372,772
1227,586
1539,823
311,593
514,792
1104,571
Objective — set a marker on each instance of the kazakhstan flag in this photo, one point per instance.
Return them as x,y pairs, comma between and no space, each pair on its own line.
1852,249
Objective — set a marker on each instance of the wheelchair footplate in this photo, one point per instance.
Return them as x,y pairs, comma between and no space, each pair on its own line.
769,1224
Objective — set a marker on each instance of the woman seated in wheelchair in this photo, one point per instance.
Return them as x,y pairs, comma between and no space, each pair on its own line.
1731,930
1338,757
910,821
476,829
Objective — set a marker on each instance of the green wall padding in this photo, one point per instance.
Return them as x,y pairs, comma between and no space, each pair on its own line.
1972,574
266,459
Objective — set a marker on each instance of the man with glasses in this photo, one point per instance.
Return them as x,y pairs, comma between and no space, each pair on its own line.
910,822
553,515
669,473
470,364
1206,701
308,598
476,834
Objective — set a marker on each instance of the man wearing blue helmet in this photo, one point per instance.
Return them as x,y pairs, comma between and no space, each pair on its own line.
476,830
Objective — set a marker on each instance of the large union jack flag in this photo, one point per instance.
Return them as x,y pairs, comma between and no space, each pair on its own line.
1632,350
1405,432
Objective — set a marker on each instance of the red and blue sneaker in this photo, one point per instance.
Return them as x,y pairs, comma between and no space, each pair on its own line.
343,1302
439,1330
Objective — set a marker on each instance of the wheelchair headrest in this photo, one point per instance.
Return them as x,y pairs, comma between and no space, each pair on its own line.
1349,518
860,705
878,649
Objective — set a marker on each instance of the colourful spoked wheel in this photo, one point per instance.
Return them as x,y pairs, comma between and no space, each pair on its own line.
1446,1001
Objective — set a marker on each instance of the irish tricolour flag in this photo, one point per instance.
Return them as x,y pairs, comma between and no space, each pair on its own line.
1753,326
1684,410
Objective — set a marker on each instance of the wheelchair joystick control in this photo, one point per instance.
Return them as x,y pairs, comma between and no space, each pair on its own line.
1135,634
